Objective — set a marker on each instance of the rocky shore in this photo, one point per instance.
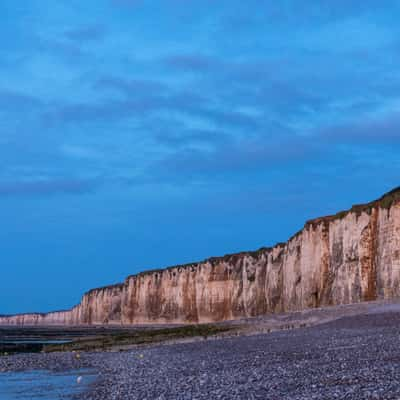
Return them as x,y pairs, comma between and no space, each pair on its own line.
354,357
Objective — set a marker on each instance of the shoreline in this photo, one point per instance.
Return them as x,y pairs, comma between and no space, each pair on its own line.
307,362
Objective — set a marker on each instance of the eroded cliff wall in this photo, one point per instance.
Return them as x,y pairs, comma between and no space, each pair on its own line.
350,257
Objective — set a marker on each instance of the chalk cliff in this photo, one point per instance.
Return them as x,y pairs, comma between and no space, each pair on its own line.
350,257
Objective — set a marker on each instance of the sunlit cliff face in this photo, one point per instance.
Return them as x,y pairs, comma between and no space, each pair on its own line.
350,257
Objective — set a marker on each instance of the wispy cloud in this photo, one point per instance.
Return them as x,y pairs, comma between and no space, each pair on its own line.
47,187
381,129
86,33
130,87
14,100
126,3
192,62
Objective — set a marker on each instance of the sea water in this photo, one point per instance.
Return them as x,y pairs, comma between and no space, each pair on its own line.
43,385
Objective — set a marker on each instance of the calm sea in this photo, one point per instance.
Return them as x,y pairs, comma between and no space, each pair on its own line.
43,385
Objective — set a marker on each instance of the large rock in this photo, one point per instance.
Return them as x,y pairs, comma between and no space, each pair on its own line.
350,257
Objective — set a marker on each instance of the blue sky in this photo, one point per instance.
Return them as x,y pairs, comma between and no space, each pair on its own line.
138,134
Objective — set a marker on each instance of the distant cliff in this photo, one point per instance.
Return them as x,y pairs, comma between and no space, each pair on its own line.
350,257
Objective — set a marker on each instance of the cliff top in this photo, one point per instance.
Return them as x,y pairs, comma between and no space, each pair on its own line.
384,202
215,260
108,287
211,260
35,313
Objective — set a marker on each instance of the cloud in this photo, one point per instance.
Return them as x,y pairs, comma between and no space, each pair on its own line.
243,157
243,91
130,86
384,129
190,137
143,98
86,33
69,51
83,112
269,83
80,152
14,100
192,62
126,3
184,103
48,187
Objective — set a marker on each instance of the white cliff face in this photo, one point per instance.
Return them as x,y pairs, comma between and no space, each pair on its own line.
351,257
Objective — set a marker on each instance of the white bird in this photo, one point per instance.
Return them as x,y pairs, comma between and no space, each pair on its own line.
79,380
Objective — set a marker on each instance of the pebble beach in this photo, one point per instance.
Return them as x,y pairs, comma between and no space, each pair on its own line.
355,357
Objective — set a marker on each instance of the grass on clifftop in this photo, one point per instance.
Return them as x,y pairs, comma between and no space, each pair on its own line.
385,202
138,337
